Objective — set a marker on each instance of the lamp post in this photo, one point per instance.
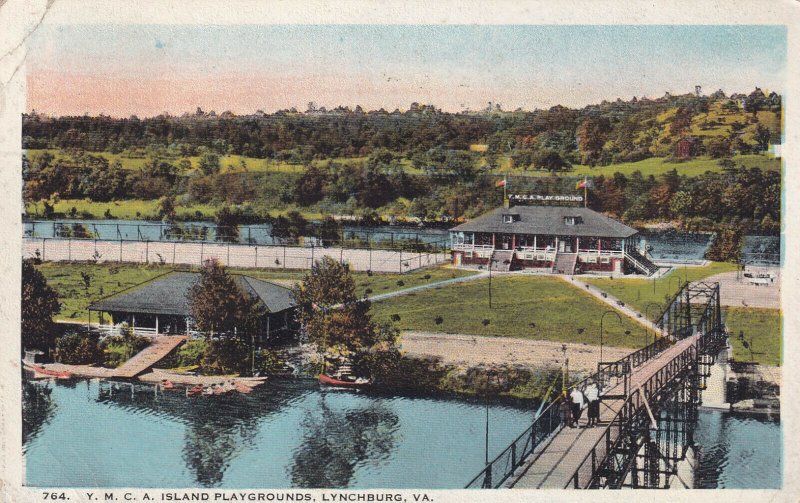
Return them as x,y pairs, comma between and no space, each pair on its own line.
647,317
601,328
491,262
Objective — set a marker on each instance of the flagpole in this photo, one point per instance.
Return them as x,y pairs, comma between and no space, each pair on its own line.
585,193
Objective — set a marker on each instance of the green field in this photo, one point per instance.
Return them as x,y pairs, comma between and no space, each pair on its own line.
638,293
657,166
132,209
762,327
528,307
107,279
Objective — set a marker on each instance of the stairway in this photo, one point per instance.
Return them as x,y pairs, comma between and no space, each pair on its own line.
640,262
501,260
565,263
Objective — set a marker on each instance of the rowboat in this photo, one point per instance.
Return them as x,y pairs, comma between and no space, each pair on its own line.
41,372
332,381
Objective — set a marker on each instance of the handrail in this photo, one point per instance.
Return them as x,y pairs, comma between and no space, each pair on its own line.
626,413
489,477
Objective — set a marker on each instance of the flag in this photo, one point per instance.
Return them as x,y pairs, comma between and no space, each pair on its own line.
581,184
500,183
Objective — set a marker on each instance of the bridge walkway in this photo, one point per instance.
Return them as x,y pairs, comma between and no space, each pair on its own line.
554,466
149,356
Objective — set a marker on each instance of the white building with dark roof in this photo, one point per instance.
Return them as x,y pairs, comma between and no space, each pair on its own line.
162,306
560,239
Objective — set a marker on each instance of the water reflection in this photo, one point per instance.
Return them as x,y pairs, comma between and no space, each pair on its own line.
38,408
336,442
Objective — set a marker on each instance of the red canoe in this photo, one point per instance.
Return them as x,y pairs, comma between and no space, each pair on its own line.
43,372
330,381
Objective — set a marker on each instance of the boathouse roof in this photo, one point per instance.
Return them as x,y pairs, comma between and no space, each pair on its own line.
169,294
547,220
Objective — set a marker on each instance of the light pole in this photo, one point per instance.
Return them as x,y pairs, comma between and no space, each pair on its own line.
491,262
647,317
601,328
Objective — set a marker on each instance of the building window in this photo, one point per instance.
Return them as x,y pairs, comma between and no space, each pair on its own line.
572,220
510,218
605,260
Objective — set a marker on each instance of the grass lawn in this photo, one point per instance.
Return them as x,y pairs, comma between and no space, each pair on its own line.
528,307
638,293
656,166
762,327
134,209
107,279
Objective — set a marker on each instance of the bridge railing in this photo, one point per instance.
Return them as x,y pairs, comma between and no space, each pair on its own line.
554,416
503,466
595,463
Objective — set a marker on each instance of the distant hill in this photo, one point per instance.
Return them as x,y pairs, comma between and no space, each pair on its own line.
615,132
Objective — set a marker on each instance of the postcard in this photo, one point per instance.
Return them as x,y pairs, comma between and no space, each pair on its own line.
350,251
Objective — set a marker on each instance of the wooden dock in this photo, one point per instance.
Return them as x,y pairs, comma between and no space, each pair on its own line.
554,466
149,356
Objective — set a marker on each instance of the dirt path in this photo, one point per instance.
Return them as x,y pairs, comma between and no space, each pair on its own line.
471,350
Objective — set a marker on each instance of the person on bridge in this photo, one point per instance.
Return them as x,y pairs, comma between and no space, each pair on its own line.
592,394
576,401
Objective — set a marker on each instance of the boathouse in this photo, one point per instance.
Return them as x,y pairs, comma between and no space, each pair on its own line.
564,240
161,306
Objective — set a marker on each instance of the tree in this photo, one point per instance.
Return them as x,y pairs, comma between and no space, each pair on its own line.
550,160
39,304
762,137
166,208
227,225
209,164
329,311
217,303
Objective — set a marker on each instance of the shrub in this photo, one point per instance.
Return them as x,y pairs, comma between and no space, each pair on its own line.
486,322
400,282
395,317
438,320
77,349
226,355
120,348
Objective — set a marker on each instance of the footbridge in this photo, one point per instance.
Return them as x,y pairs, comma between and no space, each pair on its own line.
648,411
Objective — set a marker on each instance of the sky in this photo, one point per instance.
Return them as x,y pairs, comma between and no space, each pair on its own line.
146,70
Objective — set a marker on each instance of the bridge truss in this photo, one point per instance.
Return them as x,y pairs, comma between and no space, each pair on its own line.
653,428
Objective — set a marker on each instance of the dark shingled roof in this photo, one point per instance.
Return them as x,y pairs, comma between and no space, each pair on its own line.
548,220
169,294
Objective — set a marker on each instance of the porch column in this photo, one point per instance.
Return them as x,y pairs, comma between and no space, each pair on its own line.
156,324
187,325
556,244
599,245
577,244
534,242
493,240
513,241
473,239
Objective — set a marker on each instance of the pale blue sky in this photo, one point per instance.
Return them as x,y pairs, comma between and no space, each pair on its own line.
116,69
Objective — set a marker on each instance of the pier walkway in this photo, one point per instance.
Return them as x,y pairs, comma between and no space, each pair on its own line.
149,356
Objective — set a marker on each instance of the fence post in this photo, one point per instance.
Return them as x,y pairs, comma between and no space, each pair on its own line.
201,252
284,256
256,257
44,251
401,256
120,251
69,249
174,249
229,255
147,252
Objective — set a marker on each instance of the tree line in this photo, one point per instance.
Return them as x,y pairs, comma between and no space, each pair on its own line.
604,133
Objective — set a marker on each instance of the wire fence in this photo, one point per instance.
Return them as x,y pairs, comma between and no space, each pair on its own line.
228,254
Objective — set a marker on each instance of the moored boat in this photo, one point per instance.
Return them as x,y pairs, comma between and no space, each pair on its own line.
332,381
41,372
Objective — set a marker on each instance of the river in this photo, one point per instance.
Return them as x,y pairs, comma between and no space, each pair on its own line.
290,433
